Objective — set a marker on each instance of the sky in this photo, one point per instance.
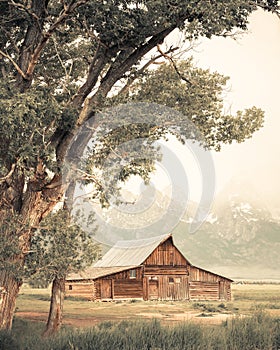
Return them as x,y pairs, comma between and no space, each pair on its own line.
252,63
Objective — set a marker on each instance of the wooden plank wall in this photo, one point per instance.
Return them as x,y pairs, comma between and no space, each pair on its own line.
80,289
165,270
166,254
125,274
197,274
120,289
204,290
128,289
175,290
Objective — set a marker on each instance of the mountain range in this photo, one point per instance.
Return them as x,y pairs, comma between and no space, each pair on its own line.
239,237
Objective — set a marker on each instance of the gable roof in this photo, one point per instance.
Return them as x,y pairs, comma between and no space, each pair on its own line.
127,253
92,273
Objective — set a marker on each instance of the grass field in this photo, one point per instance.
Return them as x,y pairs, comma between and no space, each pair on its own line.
250,321
33,304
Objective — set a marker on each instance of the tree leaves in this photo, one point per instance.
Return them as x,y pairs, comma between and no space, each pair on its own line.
60,247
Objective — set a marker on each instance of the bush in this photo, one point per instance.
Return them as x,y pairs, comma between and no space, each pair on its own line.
7,341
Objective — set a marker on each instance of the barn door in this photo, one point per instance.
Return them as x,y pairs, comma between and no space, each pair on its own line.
106,289
153,289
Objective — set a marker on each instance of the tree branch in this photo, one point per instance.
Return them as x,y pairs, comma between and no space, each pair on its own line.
14,64
46,36
24,8
133,77
174,65
10,173
117,70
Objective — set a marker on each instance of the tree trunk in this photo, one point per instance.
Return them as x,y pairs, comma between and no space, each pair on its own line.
56,307
9,289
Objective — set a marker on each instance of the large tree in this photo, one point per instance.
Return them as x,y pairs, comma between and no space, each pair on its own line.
59,60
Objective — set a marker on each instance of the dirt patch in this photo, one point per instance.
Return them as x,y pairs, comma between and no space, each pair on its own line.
187,316
76,322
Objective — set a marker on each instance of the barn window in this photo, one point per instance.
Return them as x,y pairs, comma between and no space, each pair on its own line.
132,273
170,280
70,287
177,280
153,278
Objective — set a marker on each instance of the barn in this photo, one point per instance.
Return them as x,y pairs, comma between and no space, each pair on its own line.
147,269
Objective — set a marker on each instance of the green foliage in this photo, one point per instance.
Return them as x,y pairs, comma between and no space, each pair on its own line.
10,229
26,125
91,45
257,332
60,247
198,95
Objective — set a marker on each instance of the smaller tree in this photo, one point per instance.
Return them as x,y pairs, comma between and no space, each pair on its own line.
58,248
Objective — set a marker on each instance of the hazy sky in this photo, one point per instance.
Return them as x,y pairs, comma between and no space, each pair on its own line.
252,63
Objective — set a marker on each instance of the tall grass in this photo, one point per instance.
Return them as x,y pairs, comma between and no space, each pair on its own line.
259,331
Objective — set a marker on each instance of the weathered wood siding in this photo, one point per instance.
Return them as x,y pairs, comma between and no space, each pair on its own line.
128,289
197,274
173,288
200,290
205,285
126,274
81,289
120,285
166,254
166,270
166,287
112,289
165,275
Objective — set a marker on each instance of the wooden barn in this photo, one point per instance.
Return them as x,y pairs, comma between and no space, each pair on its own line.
147,269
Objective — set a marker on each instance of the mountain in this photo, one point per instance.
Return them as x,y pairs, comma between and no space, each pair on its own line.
240,237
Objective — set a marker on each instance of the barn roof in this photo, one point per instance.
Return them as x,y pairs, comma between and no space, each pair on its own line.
96,272
127,253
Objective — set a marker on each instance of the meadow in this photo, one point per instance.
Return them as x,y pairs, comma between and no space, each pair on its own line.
250,321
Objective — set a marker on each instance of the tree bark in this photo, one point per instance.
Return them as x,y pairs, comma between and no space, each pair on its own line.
9,288
56,306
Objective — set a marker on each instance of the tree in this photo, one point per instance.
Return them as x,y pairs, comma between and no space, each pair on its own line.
58,248
59,60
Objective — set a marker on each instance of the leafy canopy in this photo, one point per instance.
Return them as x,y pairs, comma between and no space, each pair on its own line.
60,247
60,60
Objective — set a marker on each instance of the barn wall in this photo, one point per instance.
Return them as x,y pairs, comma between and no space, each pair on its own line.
166,282
205,285
128,289
120,285
126,274
204,290
166,270
81,289
197,274
166,275
166,254
173,288
110,288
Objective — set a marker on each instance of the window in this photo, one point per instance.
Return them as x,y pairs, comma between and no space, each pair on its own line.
132,273
177,280
153,278
70,287
170,280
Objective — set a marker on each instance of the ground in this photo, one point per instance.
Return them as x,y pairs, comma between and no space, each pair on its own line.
33,304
